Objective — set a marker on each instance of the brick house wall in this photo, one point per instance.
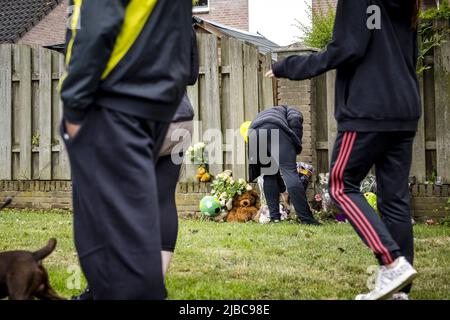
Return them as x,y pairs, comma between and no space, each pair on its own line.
52,29
324,4
232,13
49,31
299,94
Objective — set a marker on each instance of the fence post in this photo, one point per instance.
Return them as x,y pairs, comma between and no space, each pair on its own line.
24,68
210,107
237,108
442,91
45,114
5,112
418,166
267,83
64,163
332,124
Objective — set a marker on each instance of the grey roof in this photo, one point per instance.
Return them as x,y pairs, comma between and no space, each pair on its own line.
264,45
19,16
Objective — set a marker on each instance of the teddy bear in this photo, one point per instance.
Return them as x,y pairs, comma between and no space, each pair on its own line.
245,207
203,175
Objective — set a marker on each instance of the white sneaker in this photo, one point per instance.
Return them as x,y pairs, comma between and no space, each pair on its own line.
390,280
399,296
396,296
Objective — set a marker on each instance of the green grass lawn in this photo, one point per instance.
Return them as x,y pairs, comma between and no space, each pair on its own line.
247,261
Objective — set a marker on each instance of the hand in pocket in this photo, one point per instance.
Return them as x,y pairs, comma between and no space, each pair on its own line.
72,129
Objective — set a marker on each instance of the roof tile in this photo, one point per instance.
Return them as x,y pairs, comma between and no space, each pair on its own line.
19,16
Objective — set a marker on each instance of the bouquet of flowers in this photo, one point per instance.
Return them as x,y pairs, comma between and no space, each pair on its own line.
225,188
198,155
322,202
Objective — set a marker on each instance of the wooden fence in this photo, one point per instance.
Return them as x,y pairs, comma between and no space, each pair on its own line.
431,154
30,111
231,89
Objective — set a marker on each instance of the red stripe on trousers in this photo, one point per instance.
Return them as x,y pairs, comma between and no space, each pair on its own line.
352,211
382,249
336,194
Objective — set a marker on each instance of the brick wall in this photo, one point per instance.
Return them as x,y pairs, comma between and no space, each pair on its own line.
430,200
52,29
324,4
49,31
233,13
427,200
38,194
299,94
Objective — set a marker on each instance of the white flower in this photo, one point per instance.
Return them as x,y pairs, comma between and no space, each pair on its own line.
249,187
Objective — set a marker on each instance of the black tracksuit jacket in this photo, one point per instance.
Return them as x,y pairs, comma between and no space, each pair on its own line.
376,86
128,56
288,119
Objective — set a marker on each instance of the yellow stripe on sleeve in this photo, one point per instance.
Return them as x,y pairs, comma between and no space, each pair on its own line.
137,14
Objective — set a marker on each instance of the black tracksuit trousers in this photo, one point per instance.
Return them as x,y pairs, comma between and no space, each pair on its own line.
115,204
286,162
354,154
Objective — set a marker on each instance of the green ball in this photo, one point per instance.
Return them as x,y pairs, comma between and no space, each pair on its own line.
210,206
371,199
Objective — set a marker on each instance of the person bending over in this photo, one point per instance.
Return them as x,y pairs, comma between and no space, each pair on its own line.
275,140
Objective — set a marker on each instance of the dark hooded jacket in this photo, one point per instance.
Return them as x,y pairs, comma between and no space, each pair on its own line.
374,50
288,119
129,56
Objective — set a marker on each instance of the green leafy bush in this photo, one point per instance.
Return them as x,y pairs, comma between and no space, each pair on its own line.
319,32
443,12
431,35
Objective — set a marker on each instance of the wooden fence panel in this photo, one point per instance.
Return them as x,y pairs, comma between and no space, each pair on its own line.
31,148
25,112
5,112
228,92
225,86
237,112
62,167
45,114
251,61
331,121
266,94
442,91
210,93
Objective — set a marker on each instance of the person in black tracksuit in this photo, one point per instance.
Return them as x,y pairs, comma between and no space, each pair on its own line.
168,166
377,111
123,84
282,128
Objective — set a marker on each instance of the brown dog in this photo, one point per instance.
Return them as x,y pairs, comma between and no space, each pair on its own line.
23,277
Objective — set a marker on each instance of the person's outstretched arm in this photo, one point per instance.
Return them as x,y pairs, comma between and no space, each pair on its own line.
350,40
91,37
